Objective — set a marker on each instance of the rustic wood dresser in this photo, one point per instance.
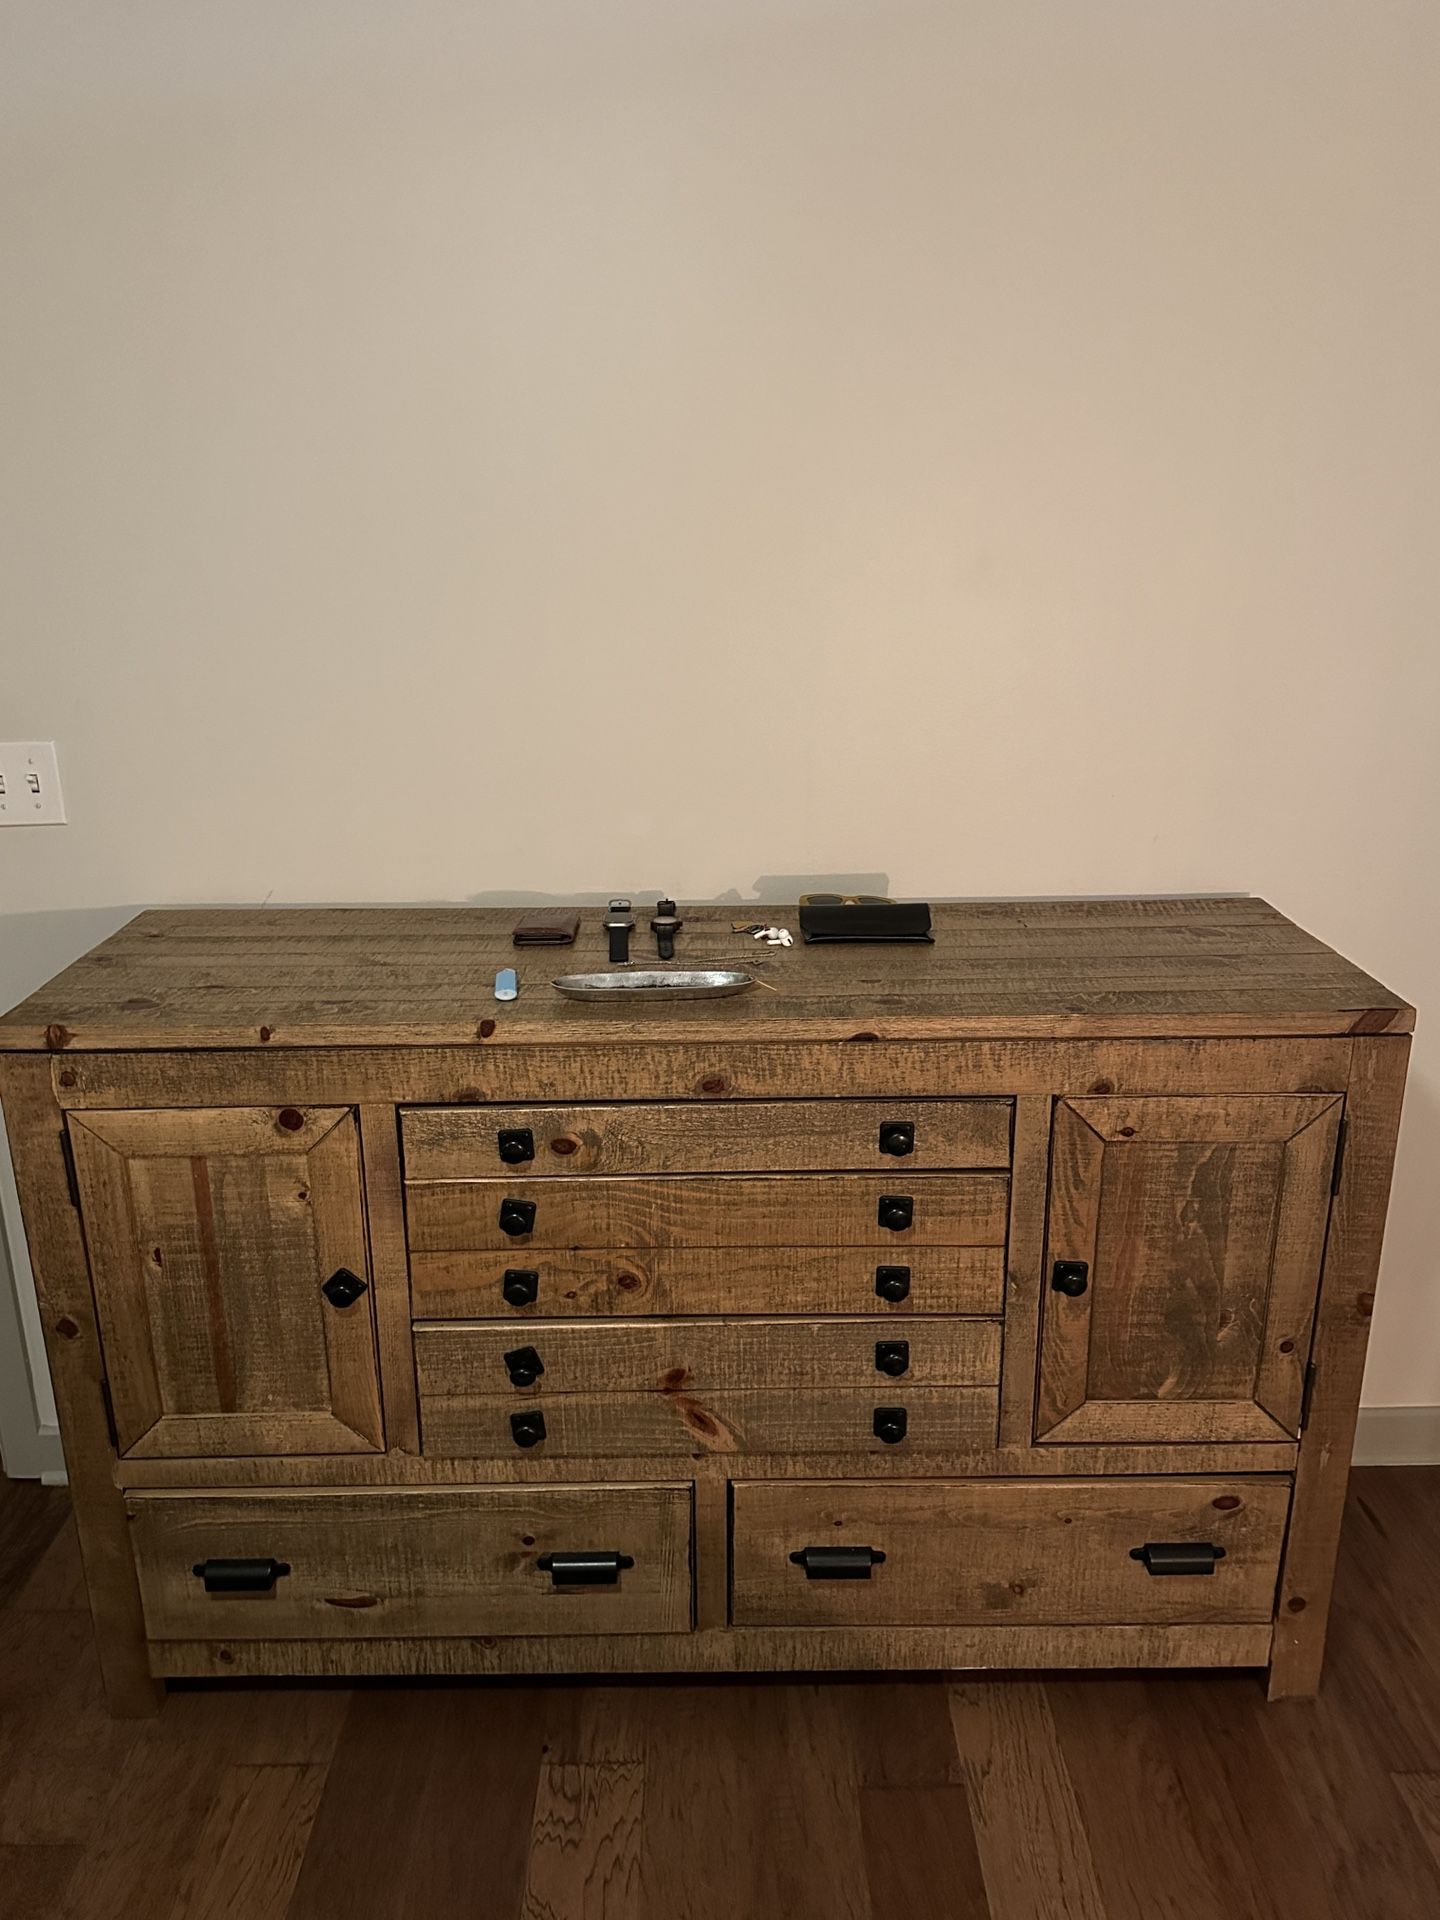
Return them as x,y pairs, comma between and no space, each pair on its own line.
995,1303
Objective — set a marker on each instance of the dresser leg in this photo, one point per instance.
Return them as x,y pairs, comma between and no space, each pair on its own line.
35,1123
1357,1224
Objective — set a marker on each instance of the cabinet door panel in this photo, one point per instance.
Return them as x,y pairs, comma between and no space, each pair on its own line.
1201,1223
211,1233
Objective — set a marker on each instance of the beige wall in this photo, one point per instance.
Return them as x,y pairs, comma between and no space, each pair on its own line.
460,448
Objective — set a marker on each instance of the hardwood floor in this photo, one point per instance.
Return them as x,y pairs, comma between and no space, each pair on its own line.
1092,1798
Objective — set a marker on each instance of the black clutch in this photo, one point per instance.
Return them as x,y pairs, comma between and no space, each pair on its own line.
864,920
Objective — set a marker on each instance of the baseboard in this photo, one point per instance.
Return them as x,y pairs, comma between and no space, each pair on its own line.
1398,1437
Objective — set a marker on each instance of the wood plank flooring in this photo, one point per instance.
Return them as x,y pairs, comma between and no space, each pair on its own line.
1182,1797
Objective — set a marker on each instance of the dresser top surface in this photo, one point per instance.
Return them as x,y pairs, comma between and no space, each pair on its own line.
421,976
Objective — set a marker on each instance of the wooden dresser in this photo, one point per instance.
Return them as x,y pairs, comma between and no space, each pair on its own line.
995,1303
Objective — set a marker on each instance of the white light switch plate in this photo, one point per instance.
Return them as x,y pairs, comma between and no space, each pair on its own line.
30,793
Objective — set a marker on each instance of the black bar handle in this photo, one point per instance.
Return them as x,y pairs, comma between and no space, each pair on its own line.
589,1568
516,1217
1178,1556
837,1563
240,1576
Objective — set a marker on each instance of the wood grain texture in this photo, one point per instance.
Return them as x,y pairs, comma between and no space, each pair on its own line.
72,1347
593,1283
459,1359
585,1843
857,1067
461,1143
1352,1260
1022,1551
1034,1851
373,1565
722,1210
724,1421
210,1234
389,1274
1201,1223
316,977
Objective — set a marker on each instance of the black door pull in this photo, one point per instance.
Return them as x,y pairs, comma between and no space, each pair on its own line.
1070,1277
515,1144
892,1357
591,1568
897,1137
527,1429
240,1576
343,1288
892,1283
838,1563
521,1286
895,1211
1178,1556
516,1217
524,1366
889,1424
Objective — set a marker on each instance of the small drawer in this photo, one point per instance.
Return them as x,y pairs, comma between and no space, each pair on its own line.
880,1212
548,1359
591,1283
897,1421
413,1563
1019,1552
741,1136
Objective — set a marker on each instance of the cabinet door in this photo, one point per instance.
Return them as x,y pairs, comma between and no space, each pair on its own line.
211,1235
1192,1232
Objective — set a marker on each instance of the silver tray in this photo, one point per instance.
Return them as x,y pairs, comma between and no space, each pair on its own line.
623,988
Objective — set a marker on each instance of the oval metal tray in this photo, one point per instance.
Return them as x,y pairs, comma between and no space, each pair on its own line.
653,985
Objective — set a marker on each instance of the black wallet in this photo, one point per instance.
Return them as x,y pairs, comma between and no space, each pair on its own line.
868,920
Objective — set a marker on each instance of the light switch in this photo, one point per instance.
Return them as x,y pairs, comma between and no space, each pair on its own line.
30,793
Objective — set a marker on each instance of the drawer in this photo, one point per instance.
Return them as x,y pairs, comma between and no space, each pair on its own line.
471,1143
721,1210
549,1358
760,1420
1021,1552
371,1564
592,1283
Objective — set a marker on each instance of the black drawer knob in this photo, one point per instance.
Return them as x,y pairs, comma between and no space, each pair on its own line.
584,1569
1178,1556
895,1211
516,1217
897,1137
892,1283
524,1366
515,1144
527,1429
240,1576
1070,1277
889,1424
343,1288
892,1357
837,1563
521,1286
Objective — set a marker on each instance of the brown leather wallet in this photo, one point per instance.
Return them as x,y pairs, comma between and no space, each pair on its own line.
548,927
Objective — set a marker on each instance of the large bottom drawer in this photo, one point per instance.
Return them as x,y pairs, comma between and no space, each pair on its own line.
1022,1552
414,1563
